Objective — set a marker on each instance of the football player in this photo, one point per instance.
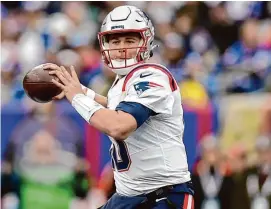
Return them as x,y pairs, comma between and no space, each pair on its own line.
142,115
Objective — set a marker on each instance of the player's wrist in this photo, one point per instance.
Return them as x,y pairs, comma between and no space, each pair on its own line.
88,92
85,106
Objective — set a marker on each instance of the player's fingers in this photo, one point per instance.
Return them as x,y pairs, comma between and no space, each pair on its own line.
65,73
62,78
58,84
50,66
74,74
59,96
55,72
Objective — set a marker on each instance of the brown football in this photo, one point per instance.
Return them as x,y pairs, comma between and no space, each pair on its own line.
38,85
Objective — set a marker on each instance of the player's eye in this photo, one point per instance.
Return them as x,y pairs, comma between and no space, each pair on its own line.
130,42
115,42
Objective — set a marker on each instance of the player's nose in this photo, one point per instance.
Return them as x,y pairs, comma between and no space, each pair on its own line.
122,47
122,51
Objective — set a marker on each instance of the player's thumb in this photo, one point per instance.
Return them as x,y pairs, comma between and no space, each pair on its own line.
60,96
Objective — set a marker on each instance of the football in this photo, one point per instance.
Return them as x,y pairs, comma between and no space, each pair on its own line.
38,85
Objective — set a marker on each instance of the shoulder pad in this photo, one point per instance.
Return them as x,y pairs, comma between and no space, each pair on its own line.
150,70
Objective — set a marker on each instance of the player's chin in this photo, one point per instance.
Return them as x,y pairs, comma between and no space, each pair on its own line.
123,59
120,59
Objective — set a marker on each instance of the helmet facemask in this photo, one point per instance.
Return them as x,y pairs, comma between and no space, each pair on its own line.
126,62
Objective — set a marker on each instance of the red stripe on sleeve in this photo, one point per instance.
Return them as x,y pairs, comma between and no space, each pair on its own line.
172,82
155,84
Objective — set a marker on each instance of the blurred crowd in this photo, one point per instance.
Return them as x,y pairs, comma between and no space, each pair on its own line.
215,48
229,180
211,48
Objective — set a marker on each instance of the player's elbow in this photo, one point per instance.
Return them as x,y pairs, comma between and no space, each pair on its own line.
119,133
122,126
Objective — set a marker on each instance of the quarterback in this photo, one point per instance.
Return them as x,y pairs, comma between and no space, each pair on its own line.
142,115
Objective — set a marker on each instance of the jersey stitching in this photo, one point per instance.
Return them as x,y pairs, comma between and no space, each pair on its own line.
173,136
160,146
166,167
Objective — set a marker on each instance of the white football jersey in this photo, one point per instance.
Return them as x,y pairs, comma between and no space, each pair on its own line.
154,155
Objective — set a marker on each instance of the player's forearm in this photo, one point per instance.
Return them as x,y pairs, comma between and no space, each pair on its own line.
100,99
116,124
93,95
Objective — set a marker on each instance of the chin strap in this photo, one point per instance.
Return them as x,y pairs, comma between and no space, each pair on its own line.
152,48
85,106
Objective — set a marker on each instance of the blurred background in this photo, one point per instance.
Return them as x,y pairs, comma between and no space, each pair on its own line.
219,53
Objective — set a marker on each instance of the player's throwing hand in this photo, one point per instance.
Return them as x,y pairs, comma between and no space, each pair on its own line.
70,84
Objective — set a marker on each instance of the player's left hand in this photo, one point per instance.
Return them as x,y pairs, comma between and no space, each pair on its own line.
70,83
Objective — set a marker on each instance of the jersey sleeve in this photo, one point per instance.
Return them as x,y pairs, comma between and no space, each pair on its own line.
151,88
